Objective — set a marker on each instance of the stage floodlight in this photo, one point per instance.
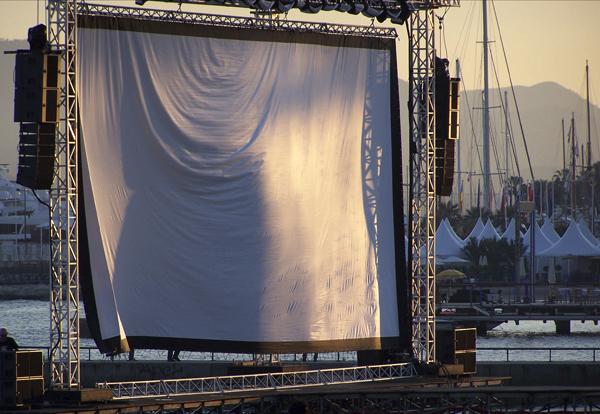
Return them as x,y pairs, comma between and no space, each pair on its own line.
407,10
356,7
344,7
265,4
140,2
329,6
311,6
371,11
388,12
284,5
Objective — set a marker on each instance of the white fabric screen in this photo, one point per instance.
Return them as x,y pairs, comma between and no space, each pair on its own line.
238,192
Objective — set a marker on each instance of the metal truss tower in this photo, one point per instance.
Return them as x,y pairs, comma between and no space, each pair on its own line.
422,182
64,333
421,218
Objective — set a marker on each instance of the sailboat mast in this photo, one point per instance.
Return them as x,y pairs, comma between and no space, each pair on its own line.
458,166
564,155
506,149
573,167
486,113
589,142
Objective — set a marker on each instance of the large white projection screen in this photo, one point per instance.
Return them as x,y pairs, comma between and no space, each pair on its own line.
237,187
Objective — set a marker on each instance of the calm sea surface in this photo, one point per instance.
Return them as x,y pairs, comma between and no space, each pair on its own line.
28,322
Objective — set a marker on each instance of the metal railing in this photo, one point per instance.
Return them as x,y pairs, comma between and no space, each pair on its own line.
258,381
542,354
484,354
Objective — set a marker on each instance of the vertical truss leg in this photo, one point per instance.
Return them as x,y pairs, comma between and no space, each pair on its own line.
64,333
422,155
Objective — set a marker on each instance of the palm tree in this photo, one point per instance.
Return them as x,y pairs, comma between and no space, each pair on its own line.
470,218
449,211
500,255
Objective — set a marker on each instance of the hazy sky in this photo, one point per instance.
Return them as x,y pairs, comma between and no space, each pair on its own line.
543,40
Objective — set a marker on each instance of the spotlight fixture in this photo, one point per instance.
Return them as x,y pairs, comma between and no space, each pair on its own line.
356,7
328,6
369,10
265,4
311,6
388,12
407,10
344,7
284,5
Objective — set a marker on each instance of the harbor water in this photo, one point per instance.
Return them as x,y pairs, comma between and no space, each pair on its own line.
28,321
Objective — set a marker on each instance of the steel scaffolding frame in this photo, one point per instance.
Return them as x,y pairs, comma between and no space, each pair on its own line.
64,333
272,381
62,16
422,182
245,22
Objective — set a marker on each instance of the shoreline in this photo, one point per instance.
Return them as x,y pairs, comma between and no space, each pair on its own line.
38,291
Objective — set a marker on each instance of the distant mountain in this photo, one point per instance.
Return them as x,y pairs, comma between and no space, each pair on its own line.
542,107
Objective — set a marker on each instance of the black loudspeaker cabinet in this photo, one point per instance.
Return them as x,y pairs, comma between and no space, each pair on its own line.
444,166
37,145
447,98
21,377
37,86
18,391
457,346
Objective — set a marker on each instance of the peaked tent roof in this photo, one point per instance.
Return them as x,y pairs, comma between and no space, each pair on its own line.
477,229
572,243
541,241
585,230
446,244
549,231
453,233
509,233
488,232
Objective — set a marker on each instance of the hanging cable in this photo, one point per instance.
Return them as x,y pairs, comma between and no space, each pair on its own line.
512,88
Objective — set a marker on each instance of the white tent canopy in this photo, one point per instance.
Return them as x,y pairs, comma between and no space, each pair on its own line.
572,243
446,241
488,232
541,241
509,233
587,233
449,259
453,233
477,229
549,231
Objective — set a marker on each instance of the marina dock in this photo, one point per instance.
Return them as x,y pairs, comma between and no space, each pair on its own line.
486,316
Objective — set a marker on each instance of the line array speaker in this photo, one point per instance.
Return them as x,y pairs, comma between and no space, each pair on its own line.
447,96
37,145
37,86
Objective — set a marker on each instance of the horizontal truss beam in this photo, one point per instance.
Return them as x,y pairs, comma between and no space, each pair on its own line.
231,21
259,381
